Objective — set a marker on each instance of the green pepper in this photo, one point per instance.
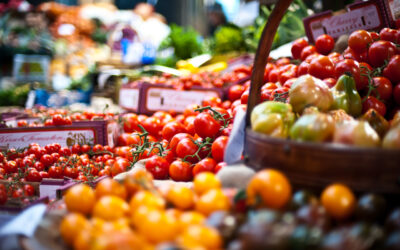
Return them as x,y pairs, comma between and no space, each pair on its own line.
316,127
346,96
272,118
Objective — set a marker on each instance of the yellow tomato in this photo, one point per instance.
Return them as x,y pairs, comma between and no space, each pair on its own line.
338,200
271,186
110,186
80,198
204,182
110,208
211,201
71,226
146,198
189,218
197,236
181,197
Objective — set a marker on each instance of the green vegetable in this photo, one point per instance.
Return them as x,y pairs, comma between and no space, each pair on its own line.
272,118
316,127
14,96
346,96
228,38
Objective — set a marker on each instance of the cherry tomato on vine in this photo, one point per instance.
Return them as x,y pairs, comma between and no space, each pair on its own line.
205,165
359,41
388,34
206,126
158,166
352,67
380,51
324,44
28,190
392,71
187,147
130,123
172,128
180,171
297,47
235,92
218,148
383,88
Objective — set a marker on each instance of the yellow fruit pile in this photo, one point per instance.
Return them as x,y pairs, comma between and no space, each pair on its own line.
135,215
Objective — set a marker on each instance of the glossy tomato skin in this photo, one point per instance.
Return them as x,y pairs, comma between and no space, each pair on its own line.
324,44
297,47
172,128
235,92
130,123
392,71
359,41
352,67
206,126
180,171
396,93
28,190
373,103
218,148
158,167
322,67
205,165
55,172
219,166
176,139
383,88
308,50
388,34
187,147
380,51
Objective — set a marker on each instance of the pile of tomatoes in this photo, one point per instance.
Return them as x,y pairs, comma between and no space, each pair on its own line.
204,79
135,214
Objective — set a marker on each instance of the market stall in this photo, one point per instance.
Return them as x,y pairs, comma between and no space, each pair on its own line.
284,134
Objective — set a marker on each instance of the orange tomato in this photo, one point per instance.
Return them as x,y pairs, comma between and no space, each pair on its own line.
110,208
146,198
181,197
110,186
118,240
80,198
211,201
205,181
271,186
71,226
83,240
197,236
338,200
189,218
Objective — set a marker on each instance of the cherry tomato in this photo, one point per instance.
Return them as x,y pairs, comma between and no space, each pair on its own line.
65,151
383,88
339,201
359,41
212,101
38,166
373,103
55,172
374,36
219,166
308,50
303,68
297,47
245,96
235,92
205,165
322,67
85,148
324,44
130,123
187,147
180,171
396,93
11,167
392,69
57,120
33,175
206,126
75,149
380,51
22,123
218,148
44,174
28,190
176,139
172,128
152,125
158,167
46,160
97,148
388,34
119,166
351,67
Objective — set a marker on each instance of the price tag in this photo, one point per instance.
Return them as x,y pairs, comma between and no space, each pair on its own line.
170,99
129,98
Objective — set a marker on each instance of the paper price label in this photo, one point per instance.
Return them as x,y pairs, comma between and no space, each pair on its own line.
129,98
171,99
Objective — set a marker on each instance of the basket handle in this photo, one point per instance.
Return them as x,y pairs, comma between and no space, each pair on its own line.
264,47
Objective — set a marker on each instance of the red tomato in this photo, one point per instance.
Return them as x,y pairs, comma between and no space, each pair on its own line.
308,50
57,120
186,147
322,67
46,160
11,167
33,175
206,126
22,123
176,139
213,101
75,149
29,190
180,171
130,123
55,156
152,125
85,148
158,167
373,103
396,93
219,166
44,174
97,148
119,166
71,172
218,148
189,125
359,41
17,193
245,96
303,68
351,67
383,88
172,128
297,46
205,165
380,51
388,34
392,70
235,92
375,36
65,151
324,44
55,172
3,195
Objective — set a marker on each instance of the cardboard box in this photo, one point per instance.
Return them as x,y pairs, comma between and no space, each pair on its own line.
83,132
369,15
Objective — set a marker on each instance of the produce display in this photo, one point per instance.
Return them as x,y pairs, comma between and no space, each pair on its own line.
345,98
266,215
